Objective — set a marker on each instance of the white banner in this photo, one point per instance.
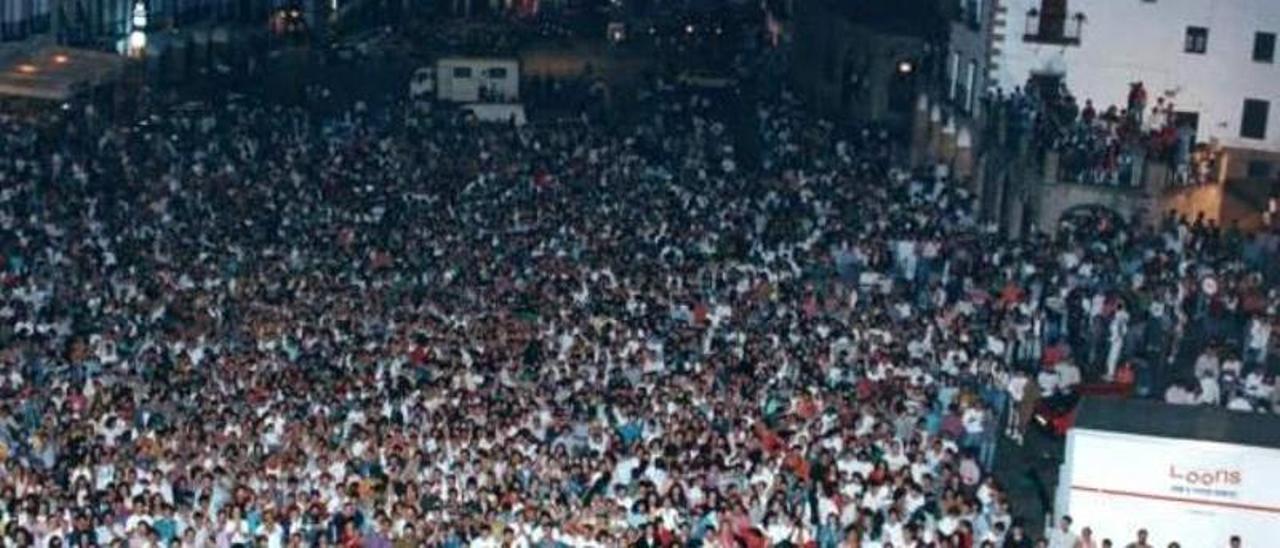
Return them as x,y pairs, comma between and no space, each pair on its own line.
1197,493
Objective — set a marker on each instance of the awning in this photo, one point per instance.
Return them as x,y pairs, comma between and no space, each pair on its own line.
1152,418
55,73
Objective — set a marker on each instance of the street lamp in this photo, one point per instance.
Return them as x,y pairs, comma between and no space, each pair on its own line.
138,35
905,67
139,15
137,43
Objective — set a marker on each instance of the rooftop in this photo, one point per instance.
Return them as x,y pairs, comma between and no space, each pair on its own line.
55,73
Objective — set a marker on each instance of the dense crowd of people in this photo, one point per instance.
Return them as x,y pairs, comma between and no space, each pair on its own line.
1113,146
257,325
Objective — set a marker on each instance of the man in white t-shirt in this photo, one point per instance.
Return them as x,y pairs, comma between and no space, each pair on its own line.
1068,376
1061,536
1210,393
1017,391
1050,381
1258,341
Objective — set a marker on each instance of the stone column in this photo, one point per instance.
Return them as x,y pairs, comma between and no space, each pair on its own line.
935,135
1016,208
964,154
920,131
947,145
1050,173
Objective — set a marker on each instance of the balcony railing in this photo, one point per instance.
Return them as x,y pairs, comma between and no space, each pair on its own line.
1053,28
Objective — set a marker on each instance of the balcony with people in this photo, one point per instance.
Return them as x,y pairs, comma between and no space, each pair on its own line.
1136,146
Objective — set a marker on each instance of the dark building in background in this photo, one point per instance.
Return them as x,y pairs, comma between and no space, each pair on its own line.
895,62
868,61
924,68
103,22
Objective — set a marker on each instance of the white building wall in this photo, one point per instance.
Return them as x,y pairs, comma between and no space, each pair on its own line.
1125,41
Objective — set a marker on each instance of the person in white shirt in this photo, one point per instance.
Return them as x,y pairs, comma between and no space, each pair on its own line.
1207,362
1119,328
972,420
1068,376
1016,388
1259,340
1210,394
779,529
1061,536
1050,381
1239,403
235,527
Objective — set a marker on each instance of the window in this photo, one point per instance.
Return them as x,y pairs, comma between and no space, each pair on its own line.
497,73
973,13
1253,123
973,85
1052,24
1197,40
462,72
1264,47
1053,17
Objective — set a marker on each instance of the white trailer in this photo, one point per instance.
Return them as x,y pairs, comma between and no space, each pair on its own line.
1192,475
477,80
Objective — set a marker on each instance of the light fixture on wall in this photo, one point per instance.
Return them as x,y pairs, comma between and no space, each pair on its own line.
138,34
139,15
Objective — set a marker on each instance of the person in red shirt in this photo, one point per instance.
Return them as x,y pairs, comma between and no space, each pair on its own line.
350,537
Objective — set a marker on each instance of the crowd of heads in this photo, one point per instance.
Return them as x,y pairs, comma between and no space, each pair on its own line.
258,325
